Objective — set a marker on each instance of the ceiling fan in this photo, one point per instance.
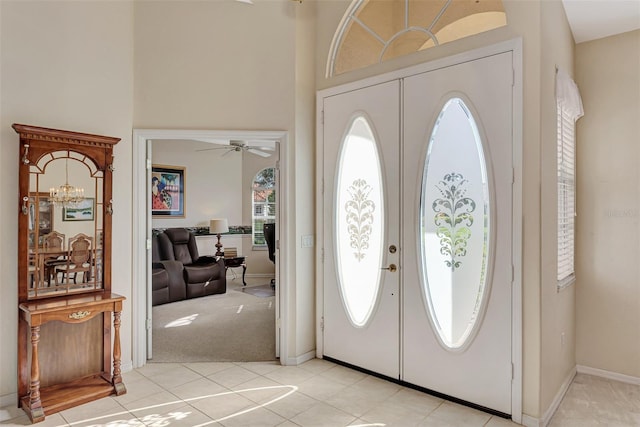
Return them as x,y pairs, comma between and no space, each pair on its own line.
257,147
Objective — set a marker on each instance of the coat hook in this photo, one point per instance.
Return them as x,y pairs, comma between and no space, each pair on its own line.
25,160
25,208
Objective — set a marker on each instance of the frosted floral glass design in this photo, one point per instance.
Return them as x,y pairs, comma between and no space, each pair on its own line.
455,225
359,222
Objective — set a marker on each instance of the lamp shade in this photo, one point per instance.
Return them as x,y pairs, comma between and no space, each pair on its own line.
218,226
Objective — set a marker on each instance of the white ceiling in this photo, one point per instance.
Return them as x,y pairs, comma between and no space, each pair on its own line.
594,19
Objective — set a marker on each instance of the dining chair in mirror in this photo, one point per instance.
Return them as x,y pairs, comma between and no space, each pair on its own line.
53,253
79,260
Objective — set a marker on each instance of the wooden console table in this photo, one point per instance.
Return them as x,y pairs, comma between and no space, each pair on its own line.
38,402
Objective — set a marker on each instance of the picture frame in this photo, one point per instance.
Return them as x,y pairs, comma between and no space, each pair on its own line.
81,211
168,191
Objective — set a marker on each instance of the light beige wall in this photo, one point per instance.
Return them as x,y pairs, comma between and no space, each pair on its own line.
66,65
305,173
608,233
229,65
524,20
558,307
214,65
213,183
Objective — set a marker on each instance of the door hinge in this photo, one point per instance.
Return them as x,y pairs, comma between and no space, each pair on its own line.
278,244
148,163
278,165
513,77
322,255
147,324
513,274
513,175
322,117
322,323
513,371
148,244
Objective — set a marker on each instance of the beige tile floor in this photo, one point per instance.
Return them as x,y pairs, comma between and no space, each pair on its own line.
316,393
593,401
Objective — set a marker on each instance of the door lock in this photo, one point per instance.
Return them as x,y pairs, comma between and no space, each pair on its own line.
392,249
392,268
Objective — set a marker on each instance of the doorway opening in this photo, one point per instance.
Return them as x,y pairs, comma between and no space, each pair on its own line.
143,224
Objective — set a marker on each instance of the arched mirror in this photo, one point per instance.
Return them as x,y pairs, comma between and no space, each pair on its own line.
66,225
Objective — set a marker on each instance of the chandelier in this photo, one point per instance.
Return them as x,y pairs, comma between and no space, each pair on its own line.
66,195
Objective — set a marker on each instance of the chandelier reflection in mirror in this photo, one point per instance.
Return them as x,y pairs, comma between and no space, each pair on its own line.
66,195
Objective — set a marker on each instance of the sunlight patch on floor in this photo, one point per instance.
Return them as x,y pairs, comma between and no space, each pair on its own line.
183,321
163,420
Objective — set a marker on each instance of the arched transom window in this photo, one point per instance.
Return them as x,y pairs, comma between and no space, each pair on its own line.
372,31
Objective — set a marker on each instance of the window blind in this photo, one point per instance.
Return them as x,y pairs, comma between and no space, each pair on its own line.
566,194
569,110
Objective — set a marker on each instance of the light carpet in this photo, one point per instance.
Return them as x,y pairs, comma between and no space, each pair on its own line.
232,327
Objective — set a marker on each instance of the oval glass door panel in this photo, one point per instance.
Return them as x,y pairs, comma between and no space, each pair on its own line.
455,225
359,222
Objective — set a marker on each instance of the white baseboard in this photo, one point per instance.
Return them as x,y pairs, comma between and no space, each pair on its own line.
127,366
558,399
608,375
298,360
530,421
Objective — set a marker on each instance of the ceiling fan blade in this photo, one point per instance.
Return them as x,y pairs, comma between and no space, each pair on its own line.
223,147
213,141
258,152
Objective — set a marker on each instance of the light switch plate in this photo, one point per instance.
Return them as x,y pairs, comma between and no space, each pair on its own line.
307,241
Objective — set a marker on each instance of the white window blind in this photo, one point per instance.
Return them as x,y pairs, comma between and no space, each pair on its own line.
569,110
566,194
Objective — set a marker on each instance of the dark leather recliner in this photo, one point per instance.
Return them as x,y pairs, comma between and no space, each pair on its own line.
167,281
203,275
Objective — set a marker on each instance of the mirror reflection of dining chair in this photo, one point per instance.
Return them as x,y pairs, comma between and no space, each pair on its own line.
53,242
78,259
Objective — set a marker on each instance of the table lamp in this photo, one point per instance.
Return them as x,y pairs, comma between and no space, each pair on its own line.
218,226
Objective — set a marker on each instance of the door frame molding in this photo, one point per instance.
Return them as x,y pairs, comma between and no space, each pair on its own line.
515,47
141,228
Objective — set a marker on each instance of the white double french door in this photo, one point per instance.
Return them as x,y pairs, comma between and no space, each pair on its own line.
417,269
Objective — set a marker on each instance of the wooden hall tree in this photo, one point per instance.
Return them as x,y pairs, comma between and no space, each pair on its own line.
65,324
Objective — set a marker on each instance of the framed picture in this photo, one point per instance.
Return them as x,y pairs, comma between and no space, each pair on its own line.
167,191
81,211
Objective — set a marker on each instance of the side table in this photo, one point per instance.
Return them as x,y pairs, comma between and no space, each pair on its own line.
235,262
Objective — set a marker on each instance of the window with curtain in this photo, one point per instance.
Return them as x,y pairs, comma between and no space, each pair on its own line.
263,197
569,110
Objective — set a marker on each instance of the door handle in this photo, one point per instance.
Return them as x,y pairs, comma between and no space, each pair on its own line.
392,268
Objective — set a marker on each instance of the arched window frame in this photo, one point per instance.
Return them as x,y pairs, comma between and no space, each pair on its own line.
263,204
430,29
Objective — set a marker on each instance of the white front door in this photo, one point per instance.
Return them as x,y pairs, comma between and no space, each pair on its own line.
361,211
418,175
457,231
